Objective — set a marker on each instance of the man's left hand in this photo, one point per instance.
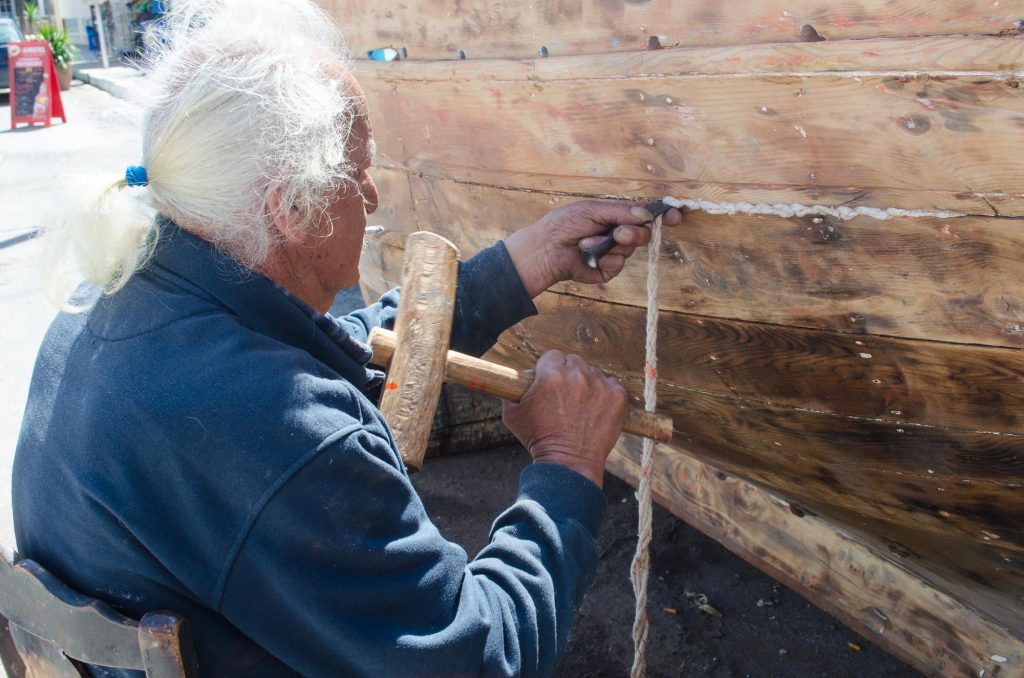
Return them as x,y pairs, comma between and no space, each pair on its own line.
549,250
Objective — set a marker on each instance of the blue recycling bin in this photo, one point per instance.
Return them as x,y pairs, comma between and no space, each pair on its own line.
94,39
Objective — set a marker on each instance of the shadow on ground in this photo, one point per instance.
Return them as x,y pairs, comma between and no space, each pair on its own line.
764,628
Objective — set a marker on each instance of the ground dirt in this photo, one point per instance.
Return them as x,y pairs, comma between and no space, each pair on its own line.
784,635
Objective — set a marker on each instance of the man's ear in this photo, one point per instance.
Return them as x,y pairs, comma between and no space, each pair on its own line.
284,216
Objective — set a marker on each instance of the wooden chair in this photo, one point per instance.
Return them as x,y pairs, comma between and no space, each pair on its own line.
46,629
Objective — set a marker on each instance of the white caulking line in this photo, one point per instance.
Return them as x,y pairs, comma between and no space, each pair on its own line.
798,210
853,75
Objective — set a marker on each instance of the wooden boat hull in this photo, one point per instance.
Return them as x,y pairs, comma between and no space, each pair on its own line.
846,394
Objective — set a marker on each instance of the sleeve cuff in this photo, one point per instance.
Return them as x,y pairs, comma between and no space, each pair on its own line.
564,494
490,298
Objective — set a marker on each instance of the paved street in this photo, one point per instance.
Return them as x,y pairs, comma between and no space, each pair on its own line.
36,170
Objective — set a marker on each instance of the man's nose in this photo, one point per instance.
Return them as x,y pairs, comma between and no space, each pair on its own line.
370,196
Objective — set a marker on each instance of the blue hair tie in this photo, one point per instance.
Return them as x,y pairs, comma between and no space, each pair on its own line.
136,176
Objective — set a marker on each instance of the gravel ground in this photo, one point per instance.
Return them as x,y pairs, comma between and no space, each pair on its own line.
764,628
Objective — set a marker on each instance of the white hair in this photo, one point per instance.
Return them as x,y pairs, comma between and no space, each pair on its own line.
243,99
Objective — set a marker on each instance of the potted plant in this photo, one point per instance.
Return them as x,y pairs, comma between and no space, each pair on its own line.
31,14
63,52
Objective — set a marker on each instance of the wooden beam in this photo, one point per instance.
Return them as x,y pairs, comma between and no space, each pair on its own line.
952,280
891,606
519,30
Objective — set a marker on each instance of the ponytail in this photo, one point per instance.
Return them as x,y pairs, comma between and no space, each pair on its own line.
103,239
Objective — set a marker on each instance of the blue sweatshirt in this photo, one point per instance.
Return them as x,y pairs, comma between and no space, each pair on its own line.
203,442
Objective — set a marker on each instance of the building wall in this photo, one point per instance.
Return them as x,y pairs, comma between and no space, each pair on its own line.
76,18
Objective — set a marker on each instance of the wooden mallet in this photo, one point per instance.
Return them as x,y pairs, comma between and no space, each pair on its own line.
420,362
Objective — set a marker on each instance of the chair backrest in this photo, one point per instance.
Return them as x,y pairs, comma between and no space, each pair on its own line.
49,630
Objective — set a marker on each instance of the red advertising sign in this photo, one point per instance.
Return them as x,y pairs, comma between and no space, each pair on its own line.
35,92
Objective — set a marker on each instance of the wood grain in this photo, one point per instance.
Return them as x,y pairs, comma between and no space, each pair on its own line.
944,499
466,422
895,380
516,29
955,280
86,629
956,55
907,614
49,625
423,325
500,381
168,651
910,140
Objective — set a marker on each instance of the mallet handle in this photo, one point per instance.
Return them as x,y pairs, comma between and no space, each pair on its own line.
505,382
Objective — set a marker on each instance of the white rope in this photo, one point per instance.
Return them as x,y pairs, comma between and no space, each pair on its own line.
797,210
639,570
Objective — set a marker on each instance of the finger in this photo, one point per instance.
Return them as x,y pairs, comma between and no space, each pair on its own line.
592,242
632,236
614,383
613,212
575,362
551,361
673,217
508,410
611,265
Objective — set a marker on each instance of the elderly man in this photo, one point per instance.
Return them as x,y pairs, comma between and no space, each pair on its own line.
202,437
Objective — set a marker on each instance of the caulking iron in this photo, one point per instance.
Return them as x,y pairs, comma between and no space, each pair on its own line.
592,256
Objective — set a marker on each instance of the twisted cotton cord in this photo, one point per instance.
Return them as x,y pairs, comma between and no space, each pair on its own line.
639,570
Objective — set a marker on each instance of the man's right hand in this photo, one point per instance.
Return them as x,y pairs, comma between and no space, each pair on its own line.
571,415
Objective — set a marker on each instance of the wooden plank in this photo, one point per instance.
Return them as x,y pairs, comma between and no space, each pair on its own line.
956,55
889,605
516,29
894,380
956,280
910,140
943,499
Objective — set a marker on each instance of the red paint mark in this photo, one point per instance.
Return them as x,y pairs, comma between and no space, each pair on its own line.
586,108
797,60
556,112
870,53
473,384
496,93
392,386
650,371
